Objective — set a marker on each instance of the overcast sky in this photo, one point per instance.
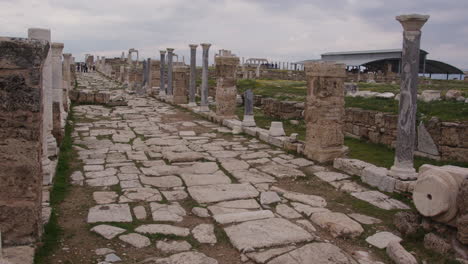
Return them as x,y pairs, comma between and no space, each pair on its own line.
284,30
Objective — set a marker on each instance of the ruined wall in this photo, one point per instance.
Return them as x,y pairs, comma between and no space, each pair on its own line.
282,109
450,138
21,109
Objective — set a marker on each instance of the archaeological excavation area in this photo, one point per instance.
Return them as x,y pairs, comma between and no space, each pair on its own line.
155,161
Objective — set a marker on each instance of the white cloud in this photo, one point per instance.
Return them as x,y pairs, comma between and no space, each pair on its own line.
279,30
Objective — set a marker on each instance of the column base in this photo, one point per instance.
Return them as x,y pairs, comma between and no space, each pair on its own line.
46,171
162,93
403,173
192,104
322,155
170,98
204,108
249,121
51,146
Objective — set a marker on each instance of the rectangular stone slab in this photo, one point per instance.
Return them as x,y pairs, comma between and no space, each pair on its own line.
222,192
110,213
265,233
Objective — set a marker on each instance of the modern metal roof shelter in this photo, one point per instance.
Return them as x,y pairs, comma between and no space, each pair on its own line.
375,60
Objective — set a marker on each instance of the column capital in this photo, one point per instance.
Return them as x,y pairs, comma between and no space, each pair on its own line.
67,55
193,46
170,50
205,45
412,22
162,52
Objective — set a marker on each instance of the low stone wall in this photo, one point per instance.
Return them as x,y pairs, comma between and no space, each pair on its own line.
436,139
89,97
282,109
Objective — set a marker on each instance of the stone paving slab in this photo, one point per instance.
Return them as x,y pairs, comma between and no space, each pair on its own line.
270,232
110,213
222,192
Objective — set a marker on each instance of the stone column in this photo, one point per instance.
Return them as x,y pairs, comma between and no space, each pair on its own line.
67,80
57,84
49,142
193,74
162,83
169,91
21,136
122,73
181,83
406,131
249,120
324,112
226,90
204,85
149,82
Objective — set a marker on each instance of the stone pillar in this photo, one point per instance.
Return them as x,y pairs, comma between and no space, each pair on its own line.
21,134
406,131
169,91
149,82
162,83
50,144
324,112
181,83
204,85
122,73
67,80
193,74
57,84
226,90
249,120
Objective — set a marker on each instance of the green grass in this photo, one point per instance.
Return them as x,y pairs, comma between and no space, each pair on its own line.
444,110
279,89
382,156
296,91
52,230
441,85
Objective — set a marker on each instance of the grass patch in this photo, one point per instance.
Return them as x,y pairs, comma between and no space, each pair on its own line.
61,185
383,156
444,110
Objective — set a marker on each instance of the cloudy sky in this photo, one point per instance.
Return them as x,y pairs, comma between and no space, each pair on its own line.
285,30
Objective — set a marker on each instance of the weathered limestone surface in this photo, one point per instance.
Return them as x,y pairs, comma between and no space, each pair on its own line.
248,120
226,91
323,253
21,134
49,148
324,112
406,130
265,233
181,84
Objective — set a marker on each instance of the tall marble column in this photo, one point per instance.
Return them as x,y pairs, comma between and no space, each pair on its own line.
67,80
57,81
149,82
162,82
406,131
170,54
324,111
249,120
226,90
204,85
49,143
193,74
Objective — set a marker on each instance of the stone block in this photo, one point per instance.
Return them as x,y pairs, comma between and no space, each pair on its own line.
377,177
21,134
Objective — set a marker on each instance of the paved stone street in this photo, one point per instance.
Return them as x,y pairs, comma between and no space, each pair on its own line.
165,186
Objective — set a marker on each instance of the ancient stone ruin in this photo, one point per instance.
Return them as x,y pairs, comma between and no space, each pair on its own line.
162,168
